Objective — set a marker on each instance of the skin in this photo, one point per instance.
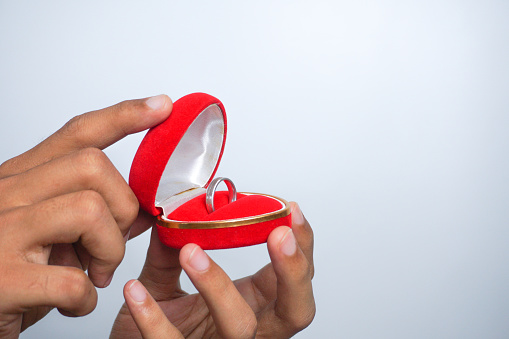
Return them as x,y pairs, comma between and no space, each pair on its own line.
275,302
64,210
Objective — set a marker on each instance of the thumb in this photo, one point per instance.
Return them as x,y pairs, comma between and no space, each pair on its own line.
161,272
98,129
148,316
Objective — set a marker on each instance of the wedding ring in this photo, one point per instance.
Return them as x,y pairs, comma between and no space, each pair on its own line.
211,190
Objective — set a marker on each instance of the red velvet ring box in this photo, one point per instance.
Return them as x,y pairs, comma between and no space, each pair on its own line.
174,165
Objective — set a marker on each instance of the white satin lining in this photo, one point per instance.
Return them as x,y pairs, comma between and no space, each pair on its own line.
194,159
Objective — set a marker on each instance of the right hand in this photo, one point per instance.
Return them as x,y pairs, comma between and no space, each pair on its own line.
275,302
64,208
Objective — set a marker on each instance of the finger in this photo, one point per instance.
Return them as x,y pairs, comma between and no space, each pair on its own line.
142,223
265,281
147,315
259,290
64,255
67,288
294,308
82,216
161,272
34,315
232,316
82,254
97,129
303,233
88,169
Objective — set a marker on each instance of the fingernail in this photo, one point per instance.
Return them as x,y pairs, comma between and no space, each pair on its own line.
297,217
198,260
108,282
156,102
137,291
288,244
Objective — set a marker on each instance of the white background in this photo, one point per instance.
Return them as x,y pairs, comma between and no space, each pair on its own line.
386,120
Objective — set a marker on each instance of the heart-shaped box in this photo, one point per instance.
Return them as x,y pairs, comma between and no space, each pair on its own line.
175,163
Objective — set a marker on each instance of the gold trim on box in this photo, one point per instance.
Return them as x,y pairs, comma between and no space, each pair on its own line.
228,223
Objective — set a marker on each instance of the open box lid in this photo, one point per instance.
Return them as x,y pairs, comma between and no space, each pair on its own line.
179,157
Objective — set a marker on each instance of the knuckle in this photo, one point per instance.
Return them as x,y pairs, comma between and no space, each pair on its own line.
94,212
132,208
103,266
73,127
76,286
91,162
300,321
124,110
127,108
125,105
154,315
306,319
91,206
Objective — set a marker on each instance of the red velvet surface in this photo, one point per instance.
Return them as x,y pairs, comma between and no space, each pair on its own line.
153,154
245,206
149,163
219,238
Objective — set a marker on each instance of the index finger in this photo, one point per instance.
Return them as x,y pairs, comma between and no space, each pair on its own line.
98,129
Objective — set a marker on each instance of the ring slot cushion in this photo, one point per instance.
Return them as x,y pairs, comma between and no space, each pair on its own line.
174,165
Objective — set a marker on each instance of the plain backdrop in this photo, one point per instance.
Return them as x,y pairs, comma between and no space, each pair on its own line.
386,120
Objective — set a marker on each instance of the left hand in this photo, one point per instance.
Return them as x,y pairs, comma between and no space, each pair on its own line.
275,302
64,209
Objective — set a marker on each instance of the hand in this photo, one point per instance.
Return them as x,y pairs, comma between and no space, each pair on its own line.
63,203
276,302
